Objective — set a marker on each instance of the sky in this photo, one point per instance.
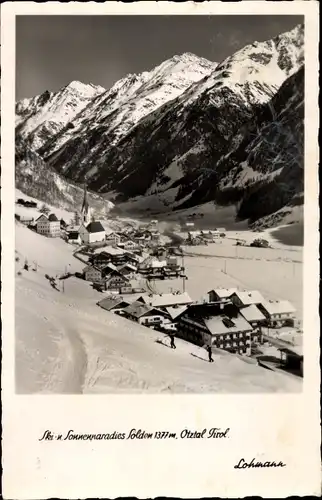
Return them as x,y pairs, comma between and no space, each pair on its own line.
52,51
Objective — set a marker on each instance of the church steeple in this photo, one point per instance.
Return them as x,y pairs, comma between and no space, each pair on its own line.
85,207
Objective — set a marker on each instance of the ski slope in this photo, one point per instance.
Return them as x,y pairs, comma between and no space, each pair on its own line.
66,344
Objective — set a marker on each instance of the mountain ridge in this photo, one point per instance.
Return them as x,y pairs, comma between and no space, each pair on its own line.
165,130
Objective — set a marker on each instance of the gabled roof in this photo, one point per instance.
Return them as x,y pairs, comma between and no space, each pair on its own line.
109,266
218,325
110,303
42,216
174,312
278,306
250,297
52,218
137,309
90,268
252,313
95,227
223,293
166,299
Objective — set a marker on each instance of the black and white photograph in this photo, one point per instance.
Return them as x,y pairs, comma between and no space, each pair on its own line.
160,250
159,175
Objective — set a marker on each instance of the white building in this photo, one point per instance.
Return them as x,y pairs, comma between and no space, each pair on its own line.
48,226
92,232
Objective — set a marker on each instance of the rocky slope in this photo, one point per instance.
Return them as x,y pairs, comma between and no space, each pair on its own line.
190,132
36,179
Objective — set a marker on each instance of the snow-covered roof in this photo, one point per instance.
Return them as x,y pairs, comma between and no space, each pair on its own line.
223,292
218,325
278,306
174,312
90,268
42,216
137,309
167,299
250,297
297,350
110,302
158,263
252,313
95,227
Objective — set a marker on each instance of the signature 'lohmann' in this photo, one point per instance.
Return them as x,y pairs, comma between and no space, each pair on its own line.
242,464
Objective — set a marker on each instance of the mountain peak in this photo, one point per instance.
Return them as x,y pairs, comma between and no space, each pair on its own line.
84,88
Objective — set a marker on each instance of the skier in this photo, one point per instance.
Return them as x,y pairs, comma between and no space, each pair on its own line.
210,354
172,344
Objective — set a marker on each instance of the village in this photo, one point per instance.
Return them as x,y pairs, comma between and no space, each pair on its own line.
128,266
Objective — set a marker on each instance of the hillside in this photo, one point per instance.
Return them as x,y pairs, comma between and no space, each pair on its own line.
34,178
72,346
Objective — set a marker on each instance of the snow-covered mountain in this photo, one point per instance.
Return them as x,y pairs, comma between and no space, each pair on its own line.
110,113
171,134
41,117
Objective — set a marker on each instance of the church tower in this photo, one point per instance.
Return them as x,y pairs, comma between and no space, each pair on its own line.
85,212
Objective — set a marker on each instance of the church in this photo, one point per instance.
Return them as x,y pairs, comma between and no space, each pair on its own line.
90,231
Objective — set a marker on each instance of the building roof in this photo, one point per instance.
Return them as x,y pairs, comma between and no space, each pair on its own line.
73,235
52,218
252,313
128,266
250,297
174,312
219,325
278,306
223,293
95,227
90,268
166,299
296,350
42,216
137,309
158,263
110,302
109,266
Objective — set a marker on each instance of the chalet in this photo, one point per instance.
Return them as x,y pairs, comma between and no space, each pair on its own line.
132,258
48,226
218,324
113,238
220,294
166,300
92,273
143,314
127,269
246,298
255,318
25,219
73,237
113,303
128,245
116,281
292,358
92,232
278,313
101,259
108,269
